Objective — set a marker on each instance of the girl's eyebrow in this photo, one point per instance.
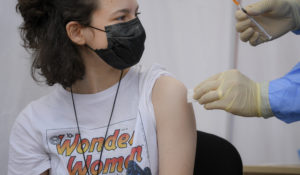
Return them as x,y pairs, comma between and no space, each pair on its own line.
125,10
122,11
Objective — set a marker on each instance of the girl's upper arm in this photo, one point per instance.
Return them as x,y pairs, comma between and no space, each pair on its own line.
176,129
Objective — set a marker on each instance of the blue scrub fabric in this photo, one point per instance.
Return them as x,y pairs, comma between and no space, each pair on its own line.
284,96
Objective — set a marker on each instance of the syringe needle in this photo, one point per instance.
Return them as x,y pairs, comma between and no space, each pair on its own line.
260,27
256,23
253,20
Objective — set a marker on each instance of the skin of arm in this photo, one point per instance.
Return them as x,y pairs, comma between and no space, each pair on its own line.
176,128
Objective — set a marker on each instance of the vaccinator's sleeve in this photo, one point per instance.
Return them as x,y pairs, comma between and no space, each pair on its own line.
284,96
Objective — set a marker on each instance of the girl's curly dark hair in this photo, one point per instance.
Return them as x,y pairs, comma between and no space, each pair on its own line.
43,32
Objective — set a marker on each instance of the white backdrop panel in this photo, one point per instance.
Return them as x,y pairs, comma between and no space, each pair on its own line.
193,43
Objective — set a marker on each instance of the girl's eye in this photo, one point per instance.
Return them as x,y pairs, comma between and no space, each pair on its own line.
121,18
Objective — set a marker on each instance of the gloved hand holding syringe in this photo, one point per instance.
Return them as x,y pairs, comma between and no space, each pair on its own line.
253,20
277,17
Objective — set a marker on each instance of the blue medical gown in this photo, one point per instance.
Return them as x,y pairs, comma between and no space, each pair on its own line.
284,96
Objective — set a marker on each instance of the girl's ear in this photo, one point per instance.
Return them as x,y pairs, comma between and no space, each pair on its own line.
75,33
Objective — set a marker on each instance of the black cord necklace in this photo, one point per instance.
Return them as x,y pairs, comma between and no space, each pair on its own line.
111,114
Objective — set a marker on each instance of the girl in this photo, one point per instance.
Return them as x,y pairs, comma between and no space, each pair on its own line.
106,116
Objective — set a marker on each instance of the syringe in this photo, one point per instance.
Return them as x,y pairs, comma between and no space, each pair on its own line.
253,20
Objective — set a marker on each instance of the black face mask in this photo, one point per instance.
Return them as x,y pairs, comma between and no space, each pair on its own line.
125,44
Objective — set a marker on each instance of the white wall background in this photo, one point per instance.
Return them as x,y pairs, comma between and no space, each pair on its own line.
194,40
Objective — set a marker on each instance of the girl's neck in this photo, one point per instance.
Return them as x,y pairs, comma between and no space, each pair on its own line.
98,75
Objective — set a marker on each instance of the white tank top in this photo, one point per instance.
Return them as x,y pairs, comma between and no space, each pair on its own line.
45,134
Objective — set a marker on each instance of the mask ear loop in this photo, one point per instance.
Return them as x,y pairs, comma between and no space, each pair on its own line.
95,29
98,29
89,47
